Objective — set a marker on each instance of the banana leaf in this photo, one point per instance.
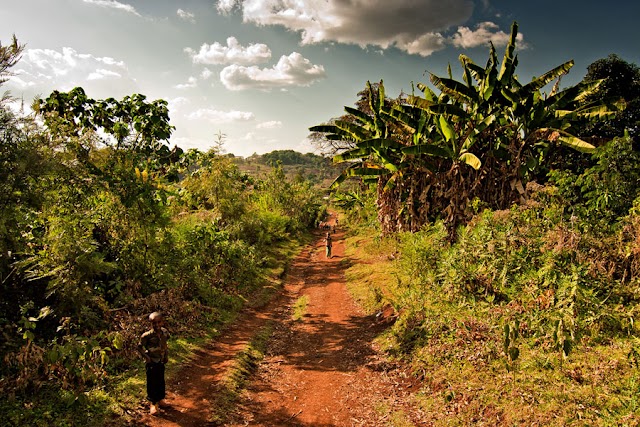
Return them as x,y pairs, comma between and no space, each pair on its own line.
428,93
573,94
476,71
454,88
447,130
355,154
419,102
600,112
339,180
575,142
403,119
509,62
385,160
449,109
466,76
334,132
378,143
360,115
366,171
471,160
547,77
428,149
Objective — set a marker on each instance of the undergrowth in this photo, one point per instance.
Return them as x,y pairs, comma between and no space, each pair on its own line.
527,319
116,400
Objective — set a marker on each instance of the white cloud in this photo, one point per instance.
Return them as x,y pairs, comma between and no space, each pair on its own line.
187,16
292,70
424,45
217,116
273,124
232,53
176,104
484,33
226,6
206,74
103,74
191,83
48,69
411,25
113,4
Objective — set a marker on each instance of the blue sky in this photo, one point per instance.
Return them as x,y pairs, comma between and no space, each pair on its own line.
263,71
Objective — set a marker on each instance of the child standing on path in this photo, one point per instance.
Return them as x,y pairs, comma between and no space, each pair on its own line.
328,244
153,347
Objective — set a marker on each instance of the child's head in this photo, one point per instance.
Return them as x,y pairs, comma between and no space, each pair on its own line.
156,319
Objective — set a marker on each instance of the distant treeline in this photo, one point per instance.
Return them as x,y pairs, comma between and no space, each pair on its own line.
290,157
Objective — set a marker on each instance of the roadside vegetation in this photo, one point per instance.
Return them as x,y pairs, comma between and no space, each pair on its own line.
101,223
496,228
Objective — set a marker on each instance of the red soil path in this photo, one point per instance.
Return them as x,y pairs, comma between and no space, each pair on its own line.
321,371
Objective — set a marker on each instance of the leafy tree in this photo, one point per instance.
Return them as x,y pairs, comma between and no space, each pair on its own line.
605,192
620,81
217,187
25,169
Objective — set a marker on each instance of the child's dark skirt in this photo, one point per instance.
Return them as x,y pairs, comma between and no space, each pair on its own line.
155,381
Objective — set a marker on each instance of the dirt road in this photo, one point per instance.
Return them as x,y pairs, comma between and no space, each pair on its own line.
321,370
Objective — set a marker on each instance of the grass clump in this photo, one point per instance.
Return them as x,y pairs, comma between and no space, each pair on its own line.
299,308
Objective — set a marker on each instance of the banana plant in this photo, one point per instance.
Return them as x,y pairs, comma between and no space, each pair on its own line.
483,136
374,154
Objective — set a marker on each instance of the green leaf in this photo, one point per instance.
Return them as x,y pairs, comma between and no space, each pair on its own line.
417,101
509,61
567,346
575,143
597,112
361,116
428,149
380,143
471,160
339,180
454,88
356,153
449,109
547,77
447,130
367,171
428,93
507,338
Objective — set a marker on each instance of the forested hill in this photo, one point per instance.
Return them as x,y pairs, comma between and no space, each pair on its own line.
300,166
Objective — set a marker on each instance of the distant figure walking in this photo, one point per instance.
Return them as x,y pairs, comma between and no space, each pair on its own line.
328,244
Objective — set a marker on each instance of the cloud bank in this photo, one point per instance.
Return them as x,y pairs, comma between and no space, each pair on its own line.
42,69
232,53
292,70
418,27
